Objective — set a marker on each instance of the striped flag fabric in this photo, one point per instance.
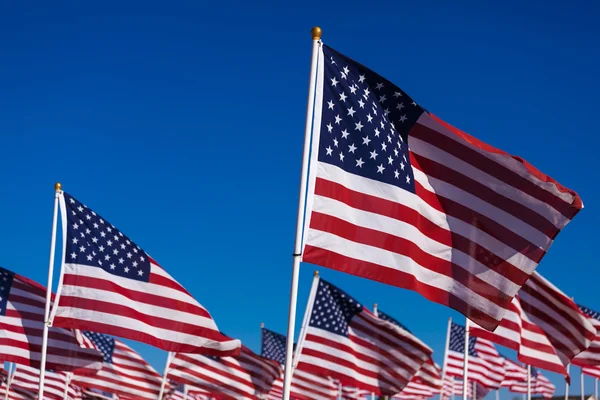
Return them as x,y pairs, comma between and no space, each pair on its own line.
110,285
485,366
453,386
94,394
515,373
516,331
22,303
416,391
15,394
345,341
245,376
591,355
350,393
539,385
399,196
304,386
591,371
184,392
124,372
55,383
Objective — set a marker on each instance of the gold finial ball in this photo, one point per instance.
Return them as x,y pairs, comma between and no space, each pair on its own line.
317,273
57,186
316,33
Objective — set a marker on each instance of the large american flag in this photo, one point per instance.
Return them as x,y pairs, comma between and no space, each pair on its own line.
55,383
591,355
110,285
304,386
345,341
399,196
539,385
516,331
22,303
485,365
245,376
124,372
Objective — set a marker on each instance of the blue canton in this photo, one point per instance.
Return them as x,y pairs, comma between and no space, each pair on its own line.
590,313
365,122
104,343
93,241
394,321
333,309
6,280
457,340
273,346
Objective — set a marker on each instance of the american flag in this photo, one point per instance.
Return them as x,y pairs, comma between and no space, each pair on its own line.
55,383
515,373
591,355
454,387
569,331
124,372
539,385
345,341
591,371
245,376
15,394
350,393
304,386
22,303
416,391
399,196
112,286
95,394
185,392
517,332
430,372
485,366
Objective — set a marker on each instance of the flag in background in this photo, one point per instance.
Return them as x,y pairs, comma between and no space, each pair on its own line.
22,303
112,286
399,196
591,355
515,373
539,385
346,342
27,379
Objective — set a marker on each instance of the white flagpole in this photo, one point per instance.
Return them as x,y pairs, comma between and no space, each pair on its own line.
528,382
11,372
57,191
164,378
596,388
185,391
446,359
497,394
340,396
377,315
566,384
474,390
67,383
287,378
582,386
466,359
305,321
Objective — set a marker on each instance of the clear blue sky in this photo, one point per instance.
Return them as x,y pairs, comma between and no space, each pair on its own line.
182,123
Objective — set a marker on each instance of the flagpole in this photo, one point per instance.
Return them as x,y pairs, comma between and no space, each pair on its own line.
377,315
474,390
287,378
497,394
57,190
528,382
466,359
566,383
11,372
582,386
596,388
307,313
185,391
163,383
67,383
446,359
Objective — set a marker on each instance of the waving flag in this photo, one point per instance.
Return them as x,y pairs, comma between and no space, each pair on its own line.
416,391
244,376
591,355
184,392
515,373
539,385
124,372
22,303
399,196
55,383
345,341
112,286
485,366
454,387
350,393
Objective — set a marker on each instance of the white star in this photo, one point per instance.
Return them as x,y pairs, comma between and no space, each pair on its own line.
102,234
95,239
382,99
109,243
126,269
101,248
140,272
361,78
121,261
407,179
329,150
89,257
330,104
366,95
82,249
358,127
377,132
346,70
397,94
338,119
380,169
351,111
334,81
80,208
352,148
369,118
115,252
396,174
389,139
135,264
345,134
396,152
123,246
335,142
366,140
108,229
390,160
113,266
73,255
383,146
400,106
379,86
361,103
75,240
129,255
341,156
353,89
386,112
329,127
343,97
374,154
107,257
401,165
75,226
359,162
413,103
72,201
403,118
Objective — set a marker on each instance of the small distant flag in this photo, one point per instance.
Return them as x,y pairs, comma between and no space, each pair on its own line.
110,285
55,383
539,385
591,355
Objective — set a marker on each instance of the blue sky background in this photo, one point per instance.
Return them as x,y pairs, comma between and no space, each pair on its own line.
182,123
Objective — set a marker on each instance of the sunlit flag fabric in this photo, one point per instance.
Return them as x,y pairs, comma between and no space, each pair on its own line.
245,376
110,285
517,332
591,355
124,372
304,386
55,383
539,385
399,196
485,366
95,394
416,391
515,373
22,303
454,387
591,371
183,392
15,394
345,341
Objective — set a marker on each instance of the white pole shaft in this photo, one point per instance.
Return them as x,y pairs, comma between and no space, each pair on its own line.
11,372
375,310
566,384
446,358
373,396
466,359
48,298
340,396
185,391
529,382
163,383
305,321
474,390
596,388
287,378
67,383
582,387
497,394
